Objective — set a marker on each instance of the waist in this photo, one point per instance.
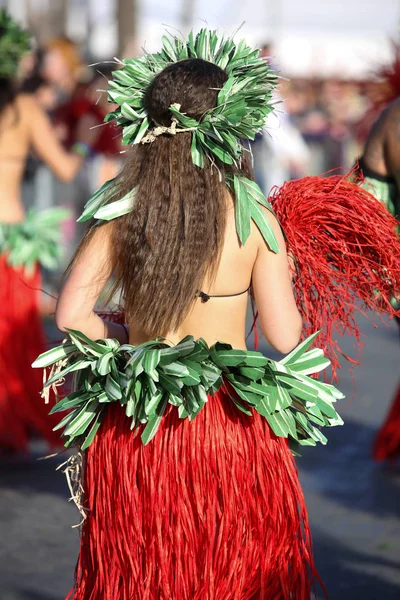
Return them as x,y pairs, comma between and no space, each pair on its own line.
12,211
233,333
145,378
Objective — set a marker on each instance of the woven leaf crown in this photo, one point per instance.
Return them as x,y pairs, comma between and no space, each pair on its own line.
14,43
243,103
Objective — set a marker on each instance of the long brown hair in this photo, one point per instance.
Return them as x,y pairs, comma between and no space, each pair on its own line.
172,239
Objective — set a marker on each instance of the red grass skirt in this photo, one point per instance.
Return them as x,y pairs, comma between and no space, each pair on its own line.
210,509
387,443
22,410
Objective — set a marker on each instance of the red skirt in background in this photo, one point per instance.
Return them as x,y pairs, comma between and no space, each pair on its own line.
210,509
22,410
387,443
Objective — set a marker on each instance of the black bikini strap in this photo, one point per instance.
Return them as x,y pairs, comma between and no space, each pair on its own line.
206,297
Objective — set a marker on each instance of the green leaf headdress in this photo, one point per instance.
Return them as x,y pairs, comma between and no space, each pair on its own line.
243,105
14,43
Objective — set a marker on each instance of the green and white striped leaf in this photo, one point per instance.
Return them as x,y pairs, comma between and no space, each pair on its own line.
52,356
242,210
263,225
154,422
84,417
116,209
103,366
298,352
97,200
93,430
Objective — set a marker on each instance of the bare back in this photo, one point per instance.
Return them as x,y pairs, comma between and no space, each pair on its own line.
382,149
24,126
15,141
219,319
222,317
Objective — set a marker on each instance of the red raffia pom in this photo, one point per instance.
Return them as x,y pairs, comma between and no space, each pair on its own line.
387,443
209,509
347,255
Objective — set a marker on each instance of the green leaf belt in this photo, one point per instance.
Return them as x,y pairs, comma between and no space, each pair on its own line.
35,240
144,379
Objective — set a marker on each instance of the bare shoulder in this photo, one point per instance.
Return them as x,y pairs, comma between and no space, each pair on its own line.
101,237
27,102
393,108
28,108
390,118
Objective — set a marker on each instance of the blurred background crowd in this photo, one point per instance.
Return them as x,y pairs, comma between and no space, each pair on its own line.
330,58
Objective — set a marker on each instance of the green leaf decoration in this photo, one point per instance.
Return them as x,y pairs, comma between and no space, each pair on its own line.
93,430
145,379
97,200
37,239
154,422
263,225
116,209
248,198
53,355
243,105
14,43
242,210
297,353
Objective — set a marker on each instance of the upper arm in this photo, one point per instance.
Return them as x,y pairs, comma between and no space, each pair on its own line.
392,146
86,280
280,319
46,144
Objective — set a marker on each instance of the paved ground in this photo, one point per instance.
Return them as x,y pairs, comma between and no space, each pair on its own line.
354,505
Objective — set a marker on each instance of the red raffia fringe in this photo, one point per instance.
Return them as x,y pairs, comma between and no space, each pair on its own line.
387,443
347,255
22,410
210,509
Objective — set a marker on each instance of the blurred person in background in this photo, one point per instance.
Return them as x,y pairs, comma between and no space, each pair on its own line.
79,99
26,241
380,161
47,97
280,152
380,168
90,99
382,89
62,65
302,104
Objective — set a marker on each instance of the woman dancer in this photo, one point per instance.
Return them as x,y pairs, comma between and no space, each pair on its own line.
25,242
191,491
380,167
